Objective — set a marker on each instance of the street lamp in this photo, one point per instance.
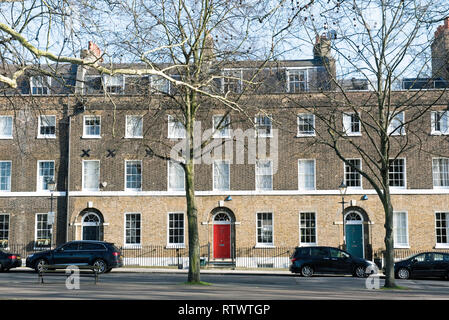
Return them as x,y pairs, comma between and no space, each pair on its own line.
342,188
51,186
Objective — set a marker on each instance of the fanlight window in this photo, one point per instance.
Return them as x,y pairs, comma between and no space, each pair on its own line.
353,216
221,217
92,218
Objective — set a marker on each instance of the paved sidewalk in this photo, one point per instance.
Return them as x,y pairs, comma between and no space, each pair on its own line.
185,271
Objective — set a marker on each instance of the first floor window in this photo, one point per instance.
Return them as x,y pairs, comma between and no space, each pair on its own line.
221,126
132,229
4,230
5,175
5,127
306,174
400,229
440,172
176,176
46,173
265,228
306,125
353,179
91,175
264,175
263,126
176,129
308,228
442,228
396,126
43,230
92,126
134,127
134,175
221,175
47,126
176,229
351,123
396,173
440,122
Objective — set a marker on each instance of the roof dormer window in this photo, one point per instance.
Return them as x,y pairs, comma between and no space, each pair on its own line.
40,85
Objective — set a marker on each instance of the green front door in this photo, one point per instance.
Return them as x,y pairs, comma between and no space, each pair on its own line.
354,239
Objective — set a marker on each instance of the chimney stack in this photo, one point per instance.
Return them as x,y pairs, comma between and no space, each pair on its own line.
440,52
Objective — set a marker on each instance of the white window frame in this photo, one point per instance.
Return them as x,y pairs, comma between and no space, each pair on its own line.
6,230
229,175
442,245
433,130
42,80
348,131
172,122
308,244
127,125
305,134
235,73
36,230
256,126
116,78
10,174
439,172
91,136
257,174
265,244
306,77
83,178
359,175
224,132
132,245
395,228
2,136
45,136
405,175
126,175
395,131
314,175
39,180
176,245
169,163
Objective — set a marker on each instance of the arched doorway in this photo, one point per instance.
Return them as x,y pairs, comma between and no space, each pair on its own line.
222,233
354,234
92,226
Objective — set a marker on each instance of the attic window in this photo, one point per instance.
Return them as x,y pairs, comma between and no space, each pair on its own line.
297,80
113,84
40,85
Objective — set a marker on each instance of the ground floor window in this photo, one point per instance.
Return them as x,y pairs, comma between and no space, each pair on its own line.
308,228
43,230
132,229
175,229
265,228
400,229
442,228
4,230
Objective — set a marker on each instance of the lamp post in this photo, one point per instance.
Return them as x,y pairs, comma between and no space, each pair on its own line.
342,188
51,185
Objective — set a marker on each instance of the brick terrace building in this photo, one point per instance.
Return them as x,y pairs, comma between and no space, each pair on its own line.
95,136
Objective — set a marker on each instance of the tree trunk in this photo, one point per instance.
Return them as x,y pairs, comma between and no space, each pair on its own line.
192,217
389,242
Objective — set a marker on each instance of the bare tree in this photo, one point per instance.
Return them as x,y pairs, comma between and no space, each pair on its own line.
375,44
184,42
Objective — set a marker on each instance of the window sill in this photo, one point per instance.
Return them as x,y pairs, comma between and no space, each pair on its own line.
305,135
439,133
174,246
6,138
442,246
91,137
402,247
353,135
308,244
132,246
136,137
46,137
262,246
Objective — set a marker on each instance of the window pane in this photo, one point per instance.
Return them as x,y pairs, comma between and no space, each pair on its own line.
132,228
352,177
306,124
221,175
92,125
397,173
440,172
134,175
306,174
134,126
91,175
265,228
176,179
5,126
400,229
47,125
5,176
264,175
308,228
176,228
46,173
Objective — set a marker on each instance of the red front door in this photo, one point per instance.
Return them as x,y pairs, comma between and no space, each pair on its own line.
222,241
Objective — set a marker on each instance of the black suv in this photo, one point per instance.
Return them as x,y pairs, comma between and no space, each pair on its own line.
103,255
310,260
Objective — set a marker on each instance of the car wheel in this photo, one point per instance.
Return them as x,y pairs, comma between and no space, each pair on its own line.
359,272
100,265
307,271
403,273
40,265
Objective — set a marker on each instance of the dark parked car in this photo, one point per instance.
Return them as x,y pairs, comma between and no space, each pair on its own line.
310,260
9,260
104,255
427,264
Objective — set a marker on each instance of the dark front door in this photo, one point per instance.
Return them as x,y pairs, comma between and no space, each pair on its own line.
91,233
354,239
222,241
